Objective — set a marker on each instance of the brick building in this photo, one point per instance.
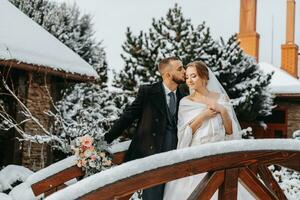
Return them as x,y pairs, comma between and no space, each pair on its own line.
36,66
285,118
285,84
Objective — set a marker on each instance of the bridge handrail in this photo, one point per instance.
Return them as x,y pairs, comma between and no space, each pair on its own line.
53,177
185,162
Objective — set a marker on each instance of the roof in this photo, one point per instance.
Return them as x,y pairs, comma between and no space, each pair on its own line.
25,44
282,83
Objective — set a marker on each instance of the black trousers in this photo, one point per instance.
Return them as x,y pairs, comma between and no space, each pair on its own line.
170,143
154,193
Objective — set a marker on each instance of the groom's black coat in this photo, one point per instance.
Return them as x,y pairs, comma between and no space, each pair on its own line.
150,109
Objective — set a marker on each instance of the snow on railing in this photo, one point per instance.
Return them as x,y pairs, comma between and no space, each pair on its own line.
52,169
169,158
24,190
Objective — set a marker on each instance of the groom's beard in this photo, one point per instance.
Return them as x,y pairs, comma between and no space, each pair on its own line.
178,80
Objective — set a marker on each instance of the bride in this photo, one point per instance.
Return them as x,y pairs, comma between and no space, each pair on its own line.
204,116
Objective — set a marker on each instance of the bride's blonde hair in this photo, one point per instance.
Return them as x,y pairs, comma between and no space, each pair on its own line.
201,69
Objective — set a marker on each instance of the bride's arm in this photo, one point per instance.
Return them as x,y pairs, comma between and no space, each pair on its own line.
224,114
226,121
186,131
198,121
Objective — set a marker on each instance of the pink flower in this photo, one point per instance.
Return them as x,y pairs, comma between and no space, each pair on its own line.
93,157
86,140
81,163
91,148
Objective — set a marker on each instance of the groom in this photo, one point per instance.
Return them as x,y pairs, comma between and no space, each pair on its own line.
155,108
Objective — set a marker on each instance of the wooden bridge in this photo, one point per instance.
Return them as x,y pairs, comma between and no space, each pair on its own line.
226,163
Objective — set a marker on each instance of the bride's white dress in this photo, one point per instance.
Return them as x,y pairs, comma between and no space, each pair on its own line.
211,130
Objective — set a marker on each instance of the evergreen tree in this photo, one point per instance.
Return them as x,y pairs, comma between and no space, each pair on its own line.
68,25
86,108
170,36
242,79
176,36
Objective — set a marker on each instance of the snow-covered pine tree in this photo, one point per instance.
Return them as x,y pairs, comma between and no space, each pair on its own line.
86,108
174,35
241,77
170,36
68,25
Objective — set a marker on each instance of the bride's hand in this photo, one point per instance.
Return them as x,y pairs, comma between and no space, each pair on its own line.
209,113
217,107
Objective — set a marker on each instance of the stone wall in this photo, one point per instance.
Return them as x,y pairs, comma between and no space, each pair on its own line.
292,107
293,118
35,156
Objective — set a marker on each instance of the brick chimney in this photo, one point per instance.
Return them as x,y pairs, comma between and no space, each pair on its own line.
289,50
249,38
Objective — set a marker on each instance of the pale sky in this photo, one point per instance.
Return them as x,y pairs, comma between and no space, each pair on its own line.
222,16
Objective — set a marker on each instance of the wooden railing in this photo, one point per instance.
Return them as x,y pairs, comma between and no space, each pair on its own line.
223,173
57,181
224,169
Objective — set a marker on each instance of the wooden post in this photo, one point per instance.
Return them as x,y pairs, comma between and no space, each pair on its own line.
255,186
270,181
228,190
208,186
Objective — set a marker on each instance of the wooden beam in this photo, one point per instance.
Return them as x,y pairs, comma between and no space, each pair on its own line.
147,179
253,168
254,185
270,182
56,180
124,198
292,163
208,186
46,70
118,158
228,190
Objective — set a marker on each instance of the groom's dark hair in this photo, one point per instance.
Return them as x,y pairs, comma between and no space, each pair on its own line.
165,62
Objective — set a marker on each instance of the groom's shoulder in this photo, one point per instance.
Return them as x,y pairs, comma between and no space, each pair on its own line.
154,87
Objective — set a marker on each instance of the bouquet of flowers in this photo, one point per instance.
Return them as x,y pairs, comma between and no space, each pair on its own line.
89,158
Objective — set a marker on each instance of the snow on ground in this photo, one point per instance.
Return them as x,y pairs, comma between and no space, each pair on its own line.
289,181
138,166
26,41
281,82
11,174
23,191
5,197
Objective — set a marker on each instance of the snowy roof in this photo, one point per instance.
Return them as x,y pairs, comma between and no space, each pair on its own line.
281,82
24,41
